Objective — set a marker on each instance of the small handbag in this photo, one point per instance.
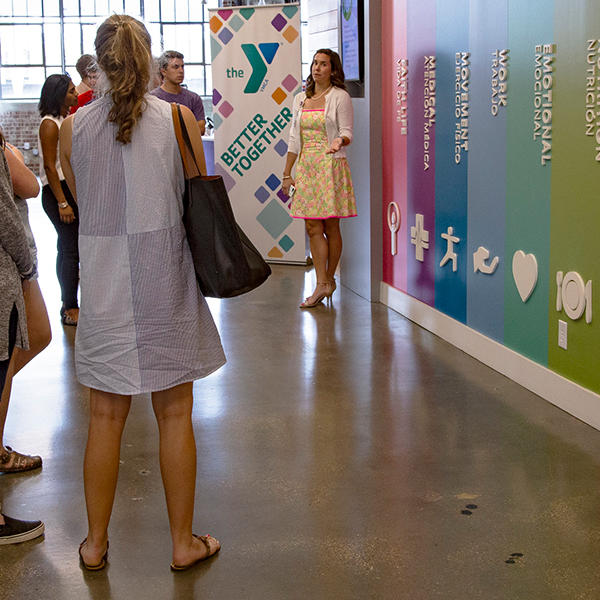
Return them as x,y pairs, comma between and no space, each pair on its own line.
226,262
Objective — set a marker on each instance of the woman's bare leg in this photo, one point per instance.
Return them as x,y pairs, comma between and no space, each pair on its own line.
39,333
319,251
173,410
38,325
108,413
5,399
334,244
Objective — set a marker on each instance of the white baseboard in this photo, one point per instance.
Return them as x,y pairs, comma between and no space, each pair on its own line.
571,397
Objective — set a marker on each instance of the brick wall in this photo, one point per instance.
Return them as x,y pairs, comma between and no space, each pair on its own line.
20,122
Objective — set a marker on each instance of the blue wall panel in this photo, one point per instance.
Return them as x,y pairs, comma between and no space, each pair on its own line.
451,156
487,171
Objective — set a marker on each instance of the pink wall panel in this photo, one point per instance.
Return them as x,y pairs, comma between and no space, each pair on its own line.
394,138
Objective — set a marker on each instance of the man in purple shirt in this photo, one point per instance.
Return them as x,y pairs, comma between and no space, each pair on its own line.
171,69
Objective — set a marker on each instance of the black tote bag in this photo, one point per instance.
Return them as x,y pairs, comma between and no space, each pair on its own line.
226,262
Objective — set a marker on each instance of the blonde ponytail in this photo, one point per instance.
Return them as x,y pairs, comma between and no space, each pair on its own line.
123,51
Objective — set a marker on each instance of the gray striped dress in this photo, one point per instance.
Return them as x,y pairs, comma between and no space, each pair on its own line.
143,325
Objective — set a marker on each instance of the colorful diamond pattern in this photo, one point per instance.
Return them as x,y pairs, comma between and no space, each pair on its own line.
274,218
217,97
286,243
290,34
279,95
225,35
215,24
281,148
217,120
225,109
236,23
290,11
289,83
228,180
273,181
261,194
215,47
279,22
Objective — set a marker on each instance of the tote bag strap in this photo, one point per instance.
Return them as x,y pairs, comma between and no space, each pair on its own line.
190,162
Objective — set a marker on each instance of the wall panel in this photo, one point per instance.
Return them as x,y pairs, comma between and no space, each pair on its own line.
451,156
575,209
420,20
527,181
394,141
521,190
487,173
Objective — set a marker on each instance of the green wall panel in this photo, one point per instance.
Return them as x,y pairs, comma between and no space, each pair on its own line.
575,209
527,182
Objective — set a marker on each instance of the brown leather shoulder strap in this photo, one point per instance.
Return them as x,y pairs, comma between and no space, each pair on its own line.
187,154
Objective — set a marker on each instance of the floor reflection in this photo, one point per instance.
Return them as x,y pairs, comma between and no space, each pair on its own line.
336,451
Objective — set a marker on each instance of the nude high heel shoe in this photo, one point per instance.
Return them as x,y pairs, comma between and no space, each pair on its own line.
332,287
317,297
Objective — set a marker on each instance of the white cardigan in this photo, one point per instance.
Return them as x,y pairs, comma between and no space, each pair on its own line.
339,116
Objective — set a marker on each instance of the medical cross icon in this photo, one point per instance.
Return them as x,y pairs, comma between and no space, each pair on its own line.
419,236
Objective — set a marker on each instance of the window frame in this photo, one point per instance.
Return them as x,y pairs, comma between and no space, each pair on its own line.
24,17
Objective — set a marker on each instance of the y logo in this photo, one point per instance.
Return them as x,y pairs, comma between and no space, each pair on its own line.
259,66
347,9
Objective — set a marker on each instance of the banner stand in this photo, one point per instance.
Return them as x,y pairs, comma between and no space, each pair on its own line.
257,71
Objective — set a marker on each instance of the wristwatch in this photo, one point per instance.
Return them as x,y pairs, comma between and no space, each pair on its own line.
63,204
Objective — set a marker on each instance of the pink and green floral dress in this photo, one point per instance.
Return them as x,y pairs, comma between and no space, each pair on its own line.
323,183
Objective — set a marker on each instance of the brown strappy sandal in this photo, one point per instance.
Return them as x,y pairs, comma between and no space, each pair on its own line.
15,462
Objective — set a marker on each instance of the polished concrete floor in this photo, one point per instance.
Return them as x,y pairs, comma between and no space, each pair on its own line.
344,453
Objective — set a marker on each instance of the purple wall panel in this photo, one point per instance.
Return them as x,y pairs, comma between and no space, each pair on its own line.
421,158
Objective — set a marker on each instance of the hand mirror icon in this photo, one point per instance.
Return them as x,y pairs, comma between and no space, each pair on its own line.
393,220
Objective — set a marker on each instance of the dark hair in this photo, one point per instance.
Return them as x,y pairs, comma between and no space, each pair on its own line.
164,58
86,64
123,50
337,72
53,95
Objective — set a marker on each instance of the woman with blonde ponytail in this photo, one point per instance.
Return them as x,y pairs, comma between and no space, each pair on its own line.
144,326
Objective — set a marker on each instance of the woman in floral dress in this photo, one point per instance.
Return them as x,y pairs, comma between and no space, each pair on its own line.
321,128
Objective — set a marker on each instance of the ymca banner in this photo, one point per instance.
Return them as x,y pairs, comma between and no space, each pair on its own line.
256,71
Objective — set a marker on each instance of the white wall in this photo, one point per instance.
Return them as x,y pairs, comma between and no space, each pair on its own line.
361,259
361,268
322,26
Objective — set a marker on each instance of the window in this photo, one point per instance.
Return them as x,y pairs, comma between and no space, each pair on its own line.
41,37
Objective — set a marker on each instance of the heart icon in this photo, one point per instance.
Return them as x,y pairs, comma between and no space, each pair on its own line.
525,273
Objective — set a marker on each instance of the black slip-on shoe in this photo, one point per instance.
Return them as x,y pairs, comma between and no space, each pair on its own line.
15,531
